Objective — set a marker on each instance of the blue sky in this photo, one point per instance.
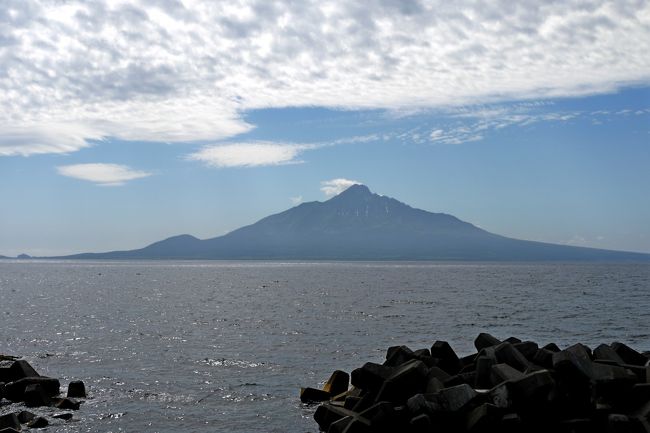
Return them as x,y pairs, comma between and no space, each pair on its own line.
128,122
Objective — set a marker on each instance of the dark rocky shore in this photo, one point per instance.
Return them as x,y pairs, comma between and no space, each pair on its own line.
20,383
506,386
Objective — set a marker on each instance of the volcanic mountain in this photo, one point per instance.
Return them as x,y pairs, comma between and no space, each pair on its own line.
360,225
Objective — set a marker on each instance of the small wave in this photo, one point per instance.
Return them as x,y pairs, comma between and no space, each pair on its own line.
223,362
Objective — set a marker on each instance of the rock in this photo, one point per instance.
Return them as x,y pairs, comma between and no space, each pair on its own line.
14,391
312,395
38,422
485,340
64,416
337,383
9,421
77,389
35,396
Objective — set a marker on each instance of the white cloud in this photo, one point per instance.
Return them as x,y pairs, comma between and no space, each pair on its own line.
264,153
253,154
336,186
185,70
102,174
296,200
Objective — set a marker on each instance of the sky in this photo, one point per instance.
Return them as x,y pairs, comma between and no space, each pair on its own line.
126,122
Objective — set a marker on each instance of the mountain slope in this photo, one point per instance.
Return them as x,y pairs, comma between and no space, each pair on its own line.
360,225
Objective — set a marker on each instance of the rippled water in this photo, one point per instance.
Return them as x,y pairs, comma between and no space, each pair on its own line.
224,346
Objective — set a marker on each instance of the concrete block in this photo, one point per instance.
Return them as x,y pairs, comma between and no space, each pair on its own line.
398,355
502,395
9,420
421,423
534,388
483,419
438,373
20,370
507,354
371,376
313,395
618,423
629,355
485,340
502,372
38,422
433,385
14,391
25,416
66,404
327,413
406,380
35,396
605,352
484,372
552,347
77,389
447,358
527,348
455,398
580,350
351,401
544,358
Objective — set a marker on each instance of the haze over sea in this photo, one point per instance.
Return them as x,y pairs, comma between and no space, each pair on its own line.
224,346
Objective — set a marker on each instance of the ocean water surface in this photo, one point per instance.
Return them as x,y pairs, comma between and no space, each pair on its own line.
224,346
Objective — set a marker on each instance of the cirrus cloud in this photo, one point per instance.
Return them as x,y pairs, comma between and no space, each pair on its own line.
102,174
177,71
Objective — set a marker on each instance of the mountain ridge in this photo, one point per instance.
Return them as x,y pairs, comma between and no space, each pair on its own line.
358,224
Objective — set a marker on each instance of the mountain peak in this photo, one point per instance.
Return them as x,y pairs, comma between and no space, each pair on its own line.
357,190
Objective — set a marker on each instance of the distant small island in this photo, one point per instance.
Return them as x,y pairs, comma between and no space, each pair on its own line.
360,225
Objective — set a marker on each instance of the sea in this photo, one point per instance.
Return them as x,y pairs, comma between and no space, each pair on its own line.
218,346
